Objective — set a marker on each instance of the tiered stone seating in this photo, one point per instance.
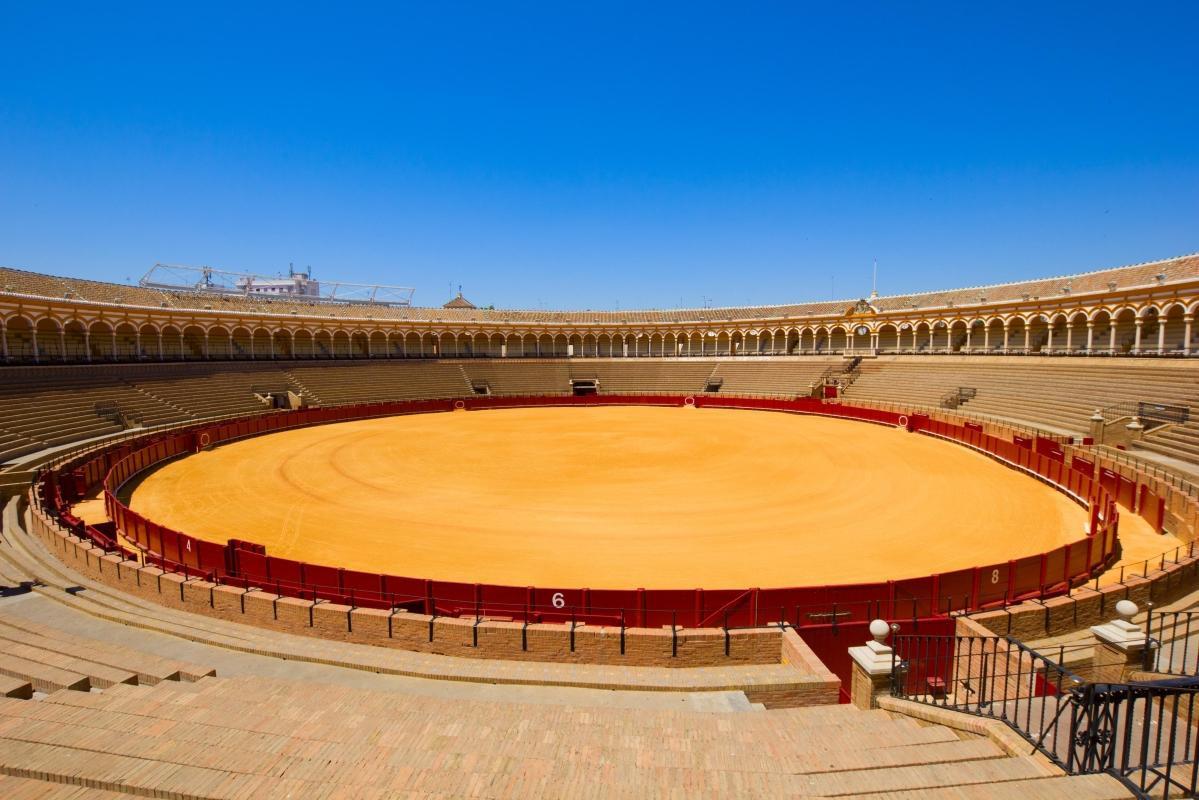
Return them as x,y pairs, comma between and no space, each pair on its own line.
335,384
1052,393
646,375
265,737
40,409
521,377
1175,441
209,391
772,377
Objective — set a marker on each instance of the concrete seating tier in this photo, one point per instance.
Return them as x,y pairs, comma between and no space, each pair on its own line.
45,407
1053,393
265,737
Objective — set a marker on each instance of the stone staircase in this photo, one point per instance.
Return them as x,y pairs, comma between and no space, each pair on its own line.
267,737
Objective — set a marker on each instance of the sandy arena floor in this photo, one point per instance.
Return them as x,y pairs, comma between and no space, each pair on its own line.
614,497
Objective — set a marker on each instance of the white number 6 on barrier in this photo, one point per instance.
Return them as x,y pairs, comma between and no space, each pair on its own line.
994,576
558,600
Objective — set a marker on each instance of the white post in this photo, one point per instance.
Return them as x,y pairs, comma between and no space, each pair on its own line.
62,343
1121,645
871,667
1090,334
1111,344
1136,342
1049,340
1027,336
1186,334
1161,335
87,345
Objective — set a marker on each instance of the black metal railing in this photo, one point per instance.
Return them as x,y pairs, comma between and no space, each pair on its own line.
1143,734
1150,414
1174,640
988,676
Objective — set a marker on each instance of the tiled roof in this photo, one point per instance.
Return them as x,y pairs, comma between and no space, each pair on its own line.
15,281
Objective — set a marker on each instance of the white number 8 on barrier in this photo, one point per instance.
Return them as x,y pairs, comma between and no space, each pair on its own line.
558,600
994,576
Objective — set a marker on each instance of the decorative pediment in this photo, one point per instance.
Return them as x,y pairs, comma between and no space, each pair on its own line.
862,308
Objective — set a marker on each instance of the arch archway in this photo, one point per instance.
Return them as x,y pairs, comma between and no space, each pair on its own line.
413,345
302,345
123,343
377,344
341,344
1038,333
194,345
102,341
324,344
283,344
1077,331
20,344
1127,333
1101,337
1015,336
49,340
75,338
395,345
220,344
243,344
172,343
260,345
1172,329
149,343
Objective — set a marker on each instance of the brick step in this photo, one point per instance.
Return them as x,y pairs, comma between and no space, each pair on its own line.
43,677
99,676
147,668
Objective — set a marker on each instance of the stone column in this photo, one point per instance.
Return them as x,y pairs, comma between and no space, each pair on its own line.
1136,342
1120,647
871,669
1186,334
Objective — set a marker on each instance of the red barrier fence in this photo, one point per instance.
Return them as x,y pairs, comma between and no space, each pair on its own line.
247,564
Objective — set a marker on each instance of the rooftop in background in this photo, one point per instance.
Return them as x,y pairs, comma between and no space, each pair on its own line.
180,277
1181,269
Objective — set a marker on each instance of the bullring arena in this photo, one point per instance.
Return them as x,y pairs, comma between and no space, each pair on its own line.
937,543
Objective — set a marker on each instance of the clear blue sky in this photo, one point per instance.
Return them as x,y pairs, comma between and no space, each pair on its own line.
588,155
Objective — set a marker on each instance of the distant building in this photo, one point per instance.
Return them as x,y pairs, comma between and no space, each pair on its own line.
297,284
